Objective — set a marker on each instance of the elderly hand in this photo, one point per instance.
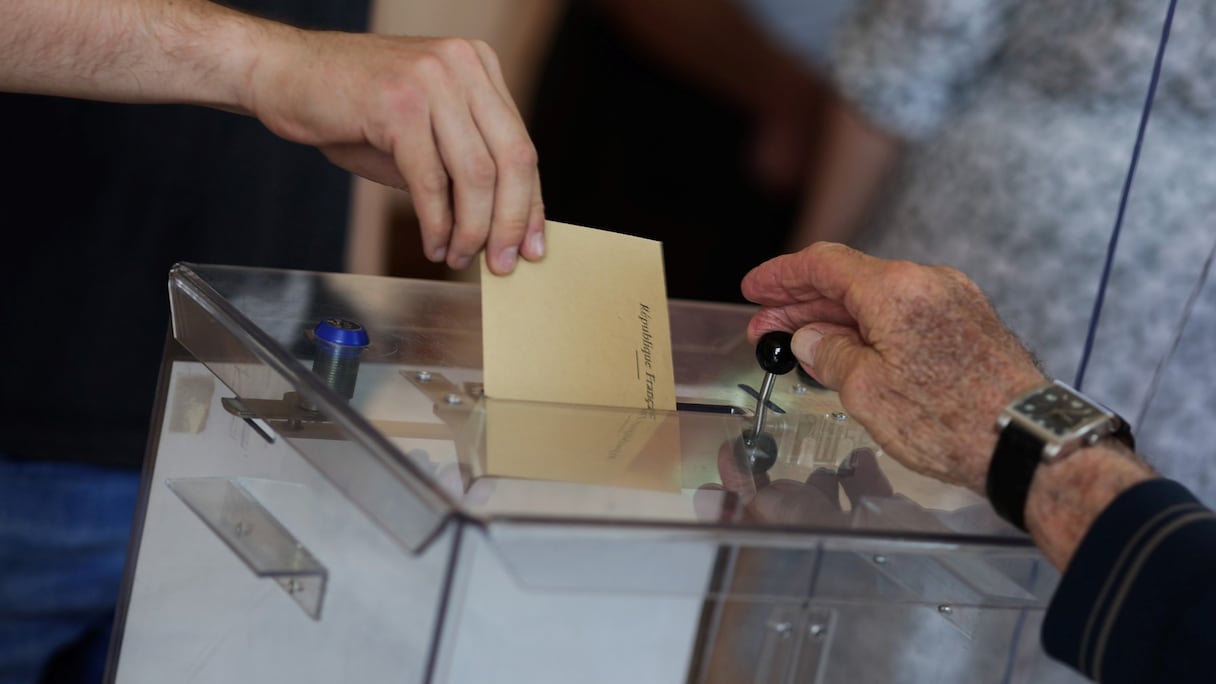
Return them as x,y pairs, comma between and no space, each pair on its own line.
917,352
432,115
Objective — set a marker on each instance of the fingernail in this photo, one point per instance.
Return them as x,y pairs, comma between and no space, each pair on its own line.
507,259
536,245
439,253
803,345
461,263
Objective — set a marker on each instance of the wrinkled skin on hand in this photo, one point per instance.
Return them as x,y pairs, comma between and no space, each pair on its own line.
917,353
432,115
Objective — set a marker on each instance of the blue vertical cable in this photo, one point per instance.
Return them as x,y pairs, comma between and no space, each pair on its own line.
1127,186
1109,263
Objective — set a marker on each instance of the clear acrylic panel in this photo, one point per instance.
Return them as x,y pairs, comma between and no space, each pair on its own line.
382,492
496,460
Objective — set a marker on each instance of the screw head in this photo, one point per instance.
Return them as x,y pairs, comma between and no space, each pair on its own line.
757,452
800,388
945,609
817,630
838,416
880,559
453,400
423,376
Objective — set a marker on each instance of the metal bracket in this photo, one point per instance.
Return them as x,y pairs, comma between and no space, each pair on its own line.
452,404
796,640
287,417
256,537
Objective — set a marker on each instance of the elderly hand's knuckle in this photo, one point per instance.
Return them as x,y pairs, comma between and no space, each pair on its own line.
950,272
906,271
955,276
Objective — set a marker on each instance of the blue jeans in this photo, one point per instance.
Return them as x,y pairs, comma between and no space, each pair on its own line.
63,539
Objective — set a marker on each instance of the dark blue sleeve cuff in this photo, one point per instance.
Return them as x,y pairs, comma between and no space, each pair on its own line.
1138,601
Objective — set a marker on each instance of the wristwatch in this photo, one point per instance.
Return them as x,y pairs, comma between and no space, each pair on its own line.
1043,426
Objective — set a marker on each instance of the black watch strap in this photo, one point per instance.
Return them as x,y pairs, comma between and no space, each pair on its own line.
1017,455
1011,471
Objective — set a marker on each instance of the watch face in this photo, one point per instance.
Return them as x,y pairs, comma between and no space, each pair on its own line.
1059,411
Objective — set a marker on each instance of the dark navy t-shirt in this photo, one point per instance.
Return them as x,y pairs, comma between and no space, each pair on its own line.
97,201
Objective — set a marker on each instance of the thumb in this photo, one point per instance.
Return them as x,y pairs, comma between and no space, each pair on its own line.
829,352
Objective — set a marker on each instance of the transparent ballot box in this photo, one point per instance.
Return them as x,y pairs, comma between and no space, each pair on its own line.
329,497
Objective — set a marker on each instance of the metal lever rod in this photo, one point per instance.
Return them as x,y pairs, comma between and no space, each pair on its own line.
756,447
766,391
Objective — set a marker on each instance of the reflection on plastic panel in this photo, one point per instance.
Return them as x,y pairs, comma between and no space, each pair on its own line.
249,361
256,537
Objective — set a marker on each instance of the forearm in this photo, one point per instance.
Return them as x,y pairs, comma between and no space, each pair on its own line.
1136,602
855,159
1066,497
189,51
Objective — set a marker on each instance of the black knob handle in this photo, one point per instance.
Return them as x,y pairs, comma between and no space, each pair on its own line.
774,353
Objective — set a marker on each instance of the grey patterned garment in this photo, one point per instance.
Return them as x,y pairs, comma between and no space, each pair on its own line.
1020,118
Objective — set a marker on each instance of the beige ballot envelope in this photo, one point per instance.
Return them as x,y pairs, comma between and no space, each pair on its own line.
597,445
586,326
